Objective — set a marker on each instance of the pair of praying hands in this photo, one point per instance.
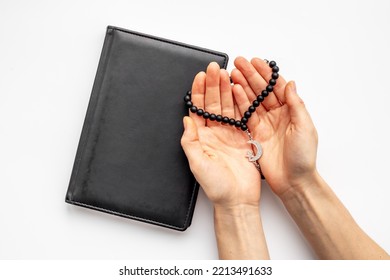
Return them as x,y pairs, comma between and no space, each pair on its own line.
217,153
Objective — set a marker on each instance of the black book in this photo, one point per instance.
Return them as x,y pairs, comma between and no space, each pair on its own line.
129,161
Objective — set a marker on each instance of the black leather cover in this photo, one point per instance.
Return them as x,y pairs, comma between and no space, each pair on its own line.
129,161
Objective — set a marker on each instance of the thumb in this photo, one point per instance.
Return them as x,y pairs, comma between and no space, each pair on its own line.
298,112
190,141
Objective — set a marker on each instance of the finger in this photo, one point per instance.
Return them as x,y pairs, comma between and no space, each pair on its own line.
256,82
190,143
212,97
197,97
227,105
237,114
238,78
265,71
243,103
298,112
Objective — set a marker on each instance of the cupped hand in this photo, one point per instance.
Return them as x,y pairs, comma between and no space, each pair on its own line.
281,124
217,152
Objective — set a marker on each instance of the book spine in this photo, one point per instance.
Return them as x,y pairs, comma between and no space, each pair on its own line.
99,78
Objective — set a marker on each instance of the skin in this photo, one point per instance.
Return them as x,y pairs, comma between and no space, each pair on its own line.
217,159
289,139
281,124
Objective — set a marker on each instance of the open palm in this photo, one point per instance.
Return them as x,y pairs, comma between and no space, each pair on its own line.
281,124
217,152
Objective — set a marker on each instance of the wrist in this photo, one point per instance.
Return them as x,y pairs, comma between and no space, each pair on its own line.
236,211
299,188
239,232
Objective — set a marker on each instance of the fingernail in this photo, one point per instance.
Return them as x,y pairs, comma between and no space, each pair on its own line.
214,64
293,87
185,122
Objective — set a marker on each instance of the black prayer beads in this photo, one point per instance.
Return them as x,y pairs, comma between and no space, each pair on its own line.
247,114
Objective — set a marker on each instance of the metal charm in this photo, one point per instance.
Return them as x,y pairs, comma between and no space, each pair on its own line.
259,151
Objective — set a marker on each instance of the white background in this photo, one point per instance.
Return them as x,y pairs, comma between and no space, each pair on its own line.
336,51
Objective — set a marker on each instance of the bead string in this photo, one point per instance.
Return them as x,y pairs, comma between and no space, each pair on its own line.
252,108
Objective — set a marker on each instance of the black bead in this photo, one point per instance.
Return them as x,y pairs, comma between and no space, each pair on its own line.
247,114
189,104
225,120
264,93
260,98
256,103
275,69
213,117
251,108
232,121
206,115
244,127
189,92
272,63
275,75
269,88
200,112
244,120
219,118
237,124
272,82
187,98
193,109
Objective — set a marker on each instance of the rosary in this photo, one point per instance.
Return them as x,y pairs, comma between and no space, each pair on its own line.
244,120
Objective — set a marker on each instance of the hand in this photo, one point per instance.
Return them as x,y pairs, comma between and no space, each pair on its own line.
281,124
217,157
289,139
217,152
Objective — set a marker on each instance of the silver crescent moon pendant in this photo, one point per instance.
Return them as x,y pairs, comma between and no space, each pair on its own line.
259,151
